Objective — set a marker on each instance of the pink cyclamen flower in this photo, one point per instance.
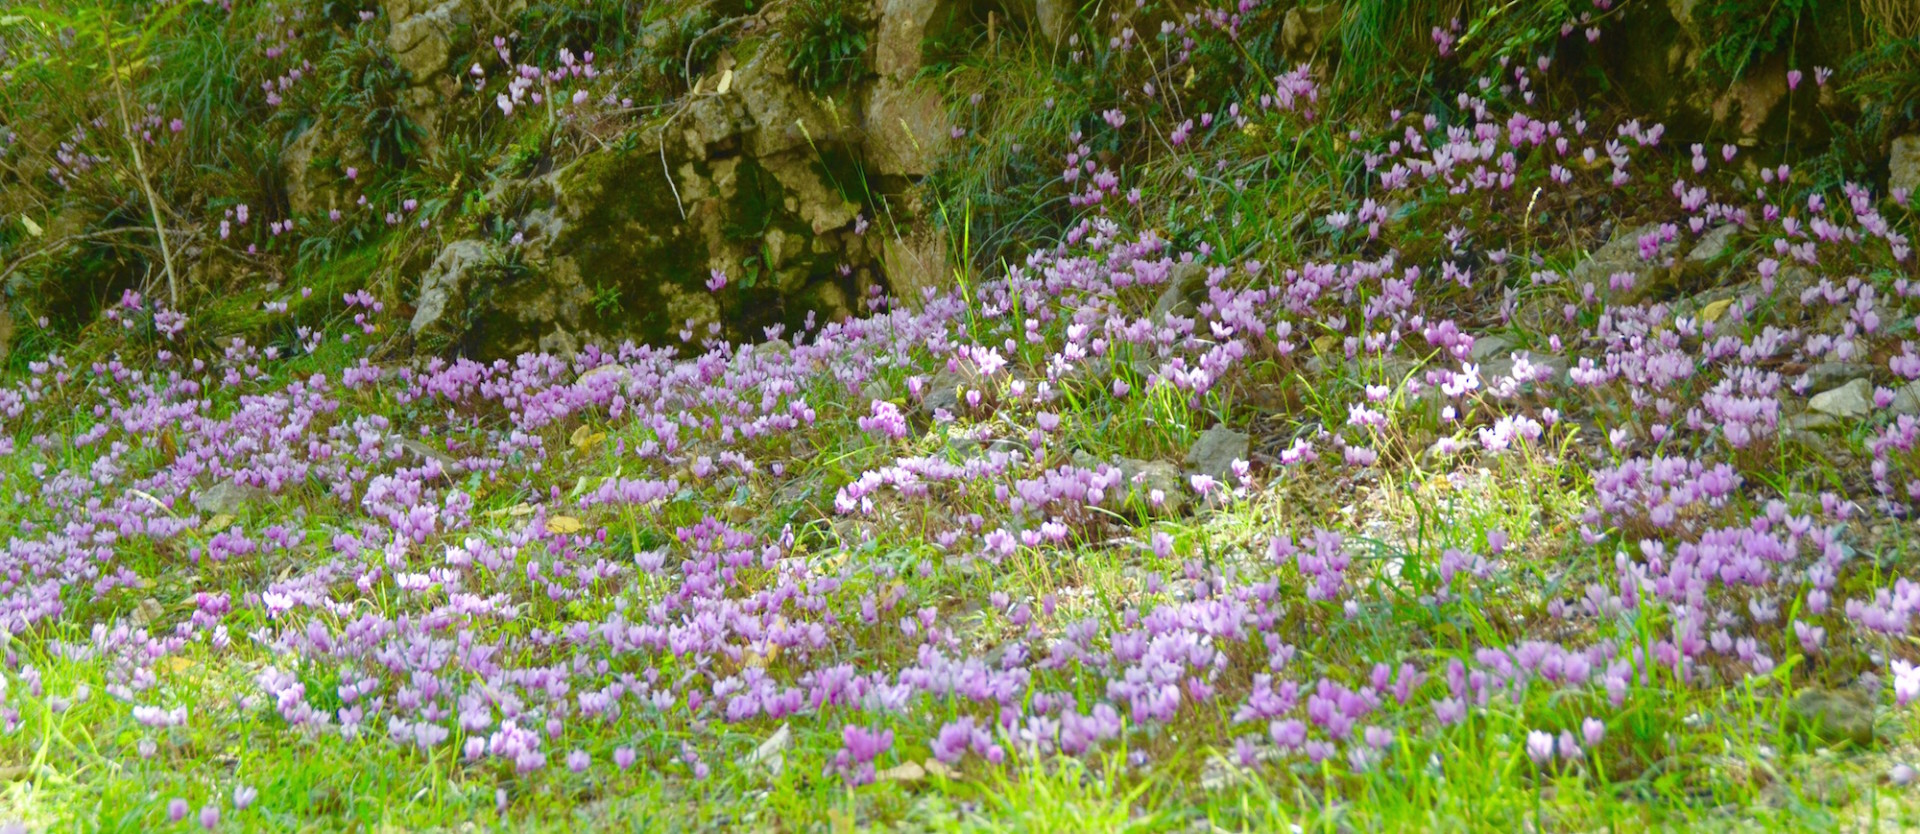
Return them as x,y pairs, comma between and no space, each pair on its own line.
1540,746
1906,682
716,280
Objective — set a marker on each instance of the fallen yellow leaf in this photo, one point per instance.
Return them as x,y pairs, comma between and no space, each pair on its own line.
514,511
564,525
1713,312
757,658
903,772
218,522
940,769
584,439
840,821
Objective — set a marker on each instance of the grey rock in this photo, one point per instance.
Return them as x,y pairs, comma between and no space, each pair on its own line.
420,35
1186,289
1622,254
427,452
443,287
771,753
1827,376
1308,29
1216,450
901,29
227,497
1834,716
942,393
1142,477
1139,479
1906,401
1903,165
1713,244
1851,401
1055,18
618,244
1812,422
311,189
907,127
916,264
1487,348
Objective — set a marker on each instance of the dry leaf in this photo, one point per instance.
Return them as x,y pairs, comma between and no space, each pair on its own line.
903,772
514,511
1713,312
33,228
218,522
772,752
603,370
1324,343
941,769
564,525
726,83
840,821
148,611
759,657
177,664
584,439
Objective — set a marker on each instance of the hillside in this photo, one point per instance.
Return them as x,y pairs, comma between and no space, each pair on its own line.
959,415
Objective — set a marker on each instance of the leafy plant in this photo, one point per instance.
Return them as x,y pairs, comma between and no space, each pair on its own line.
826,42
1744,30
124,50
364,87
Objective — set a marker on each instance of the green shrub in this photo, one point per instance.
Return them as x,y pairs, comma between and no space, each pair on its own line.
826,42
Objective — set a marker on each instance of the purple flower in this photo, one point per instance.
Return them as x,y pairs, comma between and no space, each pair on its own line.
177,810
1540,746
1593,729
1906,682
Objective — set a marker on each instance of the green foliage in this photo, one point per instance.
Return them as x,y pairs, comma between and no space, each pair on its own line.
1886,80
826,42
678,46
1744,31
363,89
602,26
